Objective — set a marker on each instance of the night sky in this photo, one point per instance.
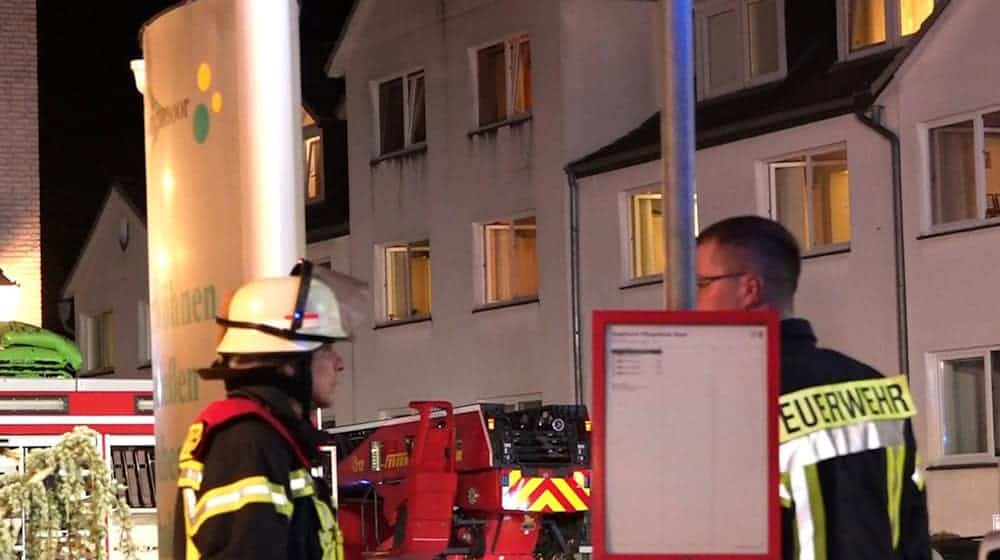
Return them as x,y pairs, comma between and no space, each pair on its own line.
90,114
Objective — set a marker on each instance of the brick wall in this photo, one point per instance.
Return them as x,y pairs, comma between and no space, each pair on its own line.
20,239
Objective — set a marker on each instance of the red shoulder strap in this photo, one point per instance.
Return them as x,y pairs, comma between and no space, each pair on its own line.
221,412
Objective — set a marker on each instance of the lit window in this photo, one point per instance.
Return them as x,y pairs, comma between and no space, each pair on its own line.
871,23
964,185
401,112
968,385
407,280
98,337
810,195
645,218
740,44
912,14
510,260
314,169
504,76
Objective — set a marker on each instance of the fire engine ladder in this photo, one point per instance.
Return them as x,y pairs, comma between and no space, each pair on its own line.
431,485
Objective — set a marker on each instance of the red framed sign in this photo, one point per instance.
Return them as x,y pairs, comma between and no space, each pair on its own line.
685,440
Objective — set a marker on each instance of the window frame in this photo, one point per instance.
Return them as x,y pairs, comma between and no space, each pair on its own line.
144,342
482,274
510,42
774,163
95,359
979,160
313,137
627,228
893,35
382,277
935,375
702,11
374,91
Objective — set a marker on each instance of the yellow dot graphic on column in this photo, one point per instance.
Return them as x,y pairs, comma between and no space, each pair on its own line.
216,102
204,76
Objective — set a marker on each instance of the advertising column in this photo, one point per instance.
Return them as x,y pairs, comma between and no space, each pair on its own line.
223,178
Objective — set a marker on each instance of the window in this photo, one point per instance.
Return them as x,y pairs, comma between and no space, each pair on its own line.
645,234
144,349
503,72
968,384
98,337
872,23
510,260
963,184
811,196
738,43
314,169
401,113
407,280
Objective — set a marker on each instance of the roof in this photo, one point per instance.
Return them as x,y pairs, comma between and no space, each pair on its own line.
133,193
817,86
336,63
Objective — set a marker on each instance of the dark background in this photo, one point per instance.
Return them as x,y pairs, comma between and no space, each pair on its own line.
90,114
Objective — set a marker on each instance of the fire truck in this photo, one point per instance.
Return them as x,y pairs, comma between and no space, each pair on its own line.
477,481
34,413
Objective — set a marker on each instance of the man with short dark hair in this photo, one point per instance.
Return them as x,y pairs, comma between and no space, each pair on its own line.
851,486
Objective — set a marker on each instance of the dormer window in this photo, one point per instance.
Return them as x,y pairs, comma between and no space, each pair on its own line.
870,25
738,44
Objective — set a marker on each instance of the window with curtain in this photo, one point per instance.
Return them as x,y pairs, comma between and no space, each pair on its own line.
407,280
510,259
738,44
968,384
964,186
402,121
645,234
867,24
314,169
504,87
810,195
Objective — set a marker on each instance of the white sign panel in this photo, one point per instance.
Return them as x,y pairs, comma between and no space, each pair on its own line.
685,450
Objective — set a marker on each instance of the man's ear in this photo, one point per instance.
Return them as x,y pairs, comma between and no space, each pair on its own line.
752,291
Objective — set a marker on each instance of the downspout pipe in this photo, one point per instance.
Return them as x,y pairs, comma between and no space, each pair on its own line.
574,277
874,122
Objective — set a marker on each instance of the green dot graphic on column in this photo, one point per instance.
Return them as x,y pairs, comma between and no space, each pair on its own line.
201,122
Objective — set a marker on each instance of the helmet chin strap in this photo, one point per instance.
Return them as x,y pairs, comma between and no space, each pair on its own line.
298,385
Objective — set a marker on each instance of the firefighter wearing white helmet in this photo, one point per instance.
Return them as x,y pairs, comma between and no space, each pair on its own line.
244,488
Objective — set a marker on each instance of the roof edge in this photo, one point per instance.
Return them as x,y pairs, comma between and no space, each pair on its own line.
335,64
883,80
114,188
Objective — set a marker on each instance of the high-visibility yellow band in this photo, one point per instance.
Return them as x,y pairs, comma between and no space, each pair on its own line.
841,404
190,474
301,484
232,497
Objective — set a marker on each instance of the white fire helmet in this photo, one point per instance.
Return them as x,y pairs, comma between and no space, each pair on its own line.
297,313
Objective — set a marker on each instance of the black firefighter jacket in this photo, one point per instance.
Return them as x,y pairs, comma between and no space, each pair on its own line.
250,496
851,484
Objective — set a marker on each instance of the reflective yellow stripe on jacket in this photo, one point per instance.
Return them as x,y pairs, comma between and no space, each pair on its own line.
829,421
253,490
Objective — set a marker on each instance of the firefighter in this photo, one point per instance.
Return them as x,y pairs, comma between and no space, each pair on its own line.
244,488
851,485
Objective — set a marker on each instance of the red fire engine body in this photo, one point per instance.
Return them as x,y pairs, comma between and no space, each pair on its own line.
34,413
478,481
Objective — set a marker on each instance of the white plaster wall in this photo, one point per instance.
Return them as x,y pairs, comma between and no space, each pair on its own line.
463,179
951,279
108,278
